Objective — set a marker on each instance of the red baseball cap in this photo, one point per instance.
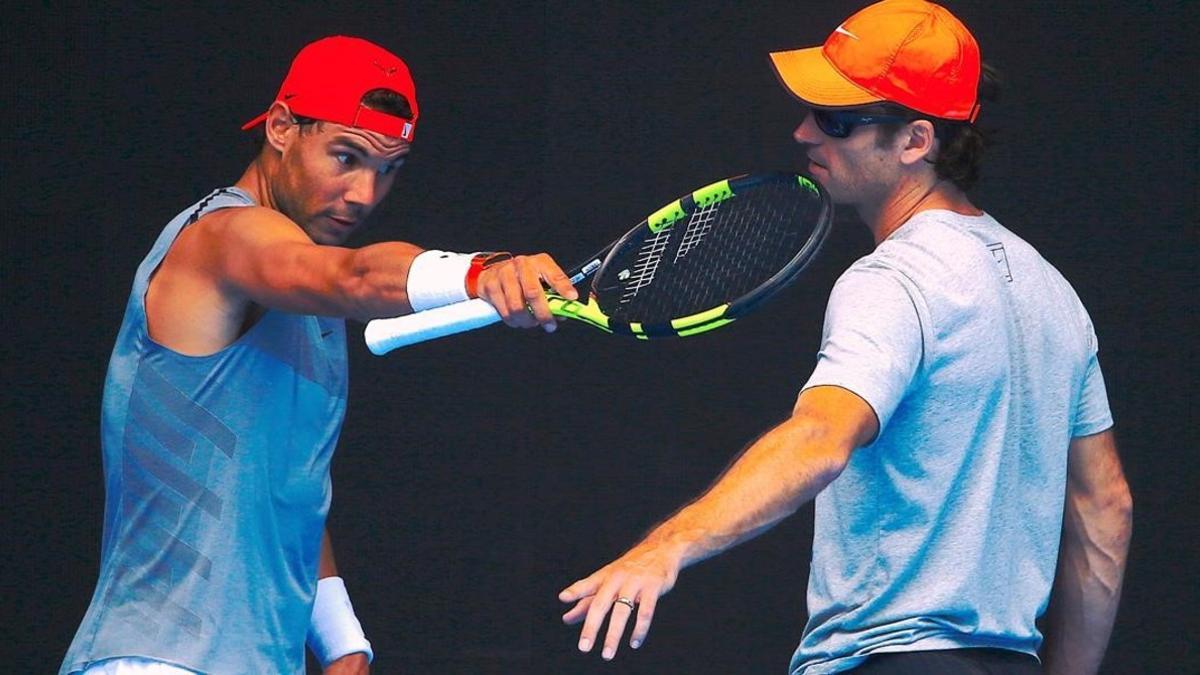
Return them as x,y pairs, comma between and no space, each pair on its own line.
910,52
329,77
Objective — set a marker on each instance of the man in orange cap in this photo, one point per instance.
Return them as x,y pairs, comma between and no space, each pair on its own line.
955,432
227,386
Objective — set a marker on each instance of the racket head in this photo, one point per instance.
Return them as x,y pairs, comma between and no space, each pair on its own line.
712,255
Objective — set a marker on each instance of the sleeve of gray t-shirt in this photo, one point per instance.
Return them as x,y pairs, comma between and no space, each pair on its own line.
871,342
1092,414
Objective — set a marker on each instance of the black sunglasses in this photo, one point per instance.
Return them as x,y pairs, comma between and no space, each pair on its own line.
840,123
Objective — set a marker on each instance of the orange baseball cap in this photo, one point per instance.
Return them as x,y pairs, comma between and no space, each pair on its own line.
910,52
329,77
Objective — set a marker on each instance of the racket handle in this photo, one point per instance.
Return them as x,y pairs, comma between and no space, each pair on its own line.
384,335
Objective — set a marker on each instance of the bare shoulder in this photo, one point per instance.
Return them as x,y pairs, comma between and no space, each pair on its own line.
192,304
205,247
246,224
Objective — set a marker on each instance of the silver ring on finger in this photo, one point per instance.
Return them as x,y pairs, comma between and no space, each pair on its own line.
625,601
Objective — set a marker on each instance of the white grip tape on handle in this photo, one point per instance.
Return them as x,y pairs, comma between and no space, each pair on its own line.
384,335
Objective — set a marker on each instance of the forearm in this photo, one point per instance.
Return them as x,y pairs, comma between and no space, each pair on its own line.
1087,587
785,468
265,259
380,280
782,470
335,633
373,281
260,256
326,564
395,278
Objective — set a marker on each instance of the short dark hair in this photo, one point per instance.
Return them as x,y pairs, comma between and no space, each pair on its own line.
383,100
962,143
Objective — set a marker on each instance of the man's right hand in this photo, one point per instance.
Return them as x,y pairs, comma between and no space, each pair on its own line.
515,288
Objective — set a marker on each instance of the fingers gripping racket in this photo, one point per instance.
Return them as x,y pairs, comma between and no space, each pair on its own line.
694,265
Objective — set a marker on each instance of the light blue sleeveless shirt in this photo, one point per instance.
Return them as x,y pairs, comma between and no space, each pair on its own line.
980,362
217,485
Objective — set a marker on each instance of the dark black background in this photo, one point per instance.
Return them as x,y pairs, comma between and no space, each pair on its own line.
479,475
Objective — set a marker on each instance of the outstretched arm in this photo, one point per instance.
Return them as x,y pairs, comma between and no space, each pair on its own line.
1097,525
268,259
232,262
782,470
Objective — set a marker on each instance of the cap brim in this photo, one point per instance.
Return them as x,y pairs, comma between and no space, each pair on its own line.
254,122
809,77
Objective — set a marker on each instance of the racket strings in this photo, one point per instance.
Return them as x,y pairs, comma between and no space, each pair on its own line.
651,253
645,265
698,226
726,251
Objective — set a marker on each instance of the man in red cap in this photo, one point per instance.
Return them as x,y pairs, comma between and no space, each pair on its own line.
955,433
226,389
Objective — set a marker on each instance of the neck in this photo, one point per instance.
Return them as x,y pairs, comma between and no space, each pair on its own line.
255,182
909,198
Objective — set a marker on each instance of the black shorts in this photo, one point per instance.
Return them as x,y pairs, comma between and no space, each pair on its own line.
951,662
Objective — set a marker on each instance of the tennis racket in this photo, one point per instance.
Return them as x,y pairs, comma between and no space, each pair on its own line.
698,263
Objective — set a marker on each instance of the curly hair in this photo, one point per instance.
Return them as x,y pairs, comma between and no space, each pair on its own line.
962,143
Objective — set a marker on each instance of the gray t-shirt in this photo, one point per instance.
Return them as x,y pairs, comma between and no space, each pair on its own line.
980,362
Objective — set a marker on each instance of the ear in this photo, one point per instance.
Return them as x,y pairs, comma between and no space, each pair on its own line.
280,125
919,142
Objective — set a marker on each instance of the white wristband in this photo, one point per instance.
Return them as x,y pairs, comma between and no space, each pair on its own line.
334,631
437,278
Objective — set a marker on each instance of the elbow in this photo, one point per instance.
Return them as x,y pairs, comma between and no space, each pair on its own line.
824,452
1111,524
348,294
357,298
1119,535
1115,510
362,295
1115,503
836,459
1121,506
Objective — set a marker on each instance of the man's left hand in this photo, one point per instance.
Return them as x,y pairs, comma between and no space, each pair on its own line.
626,588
